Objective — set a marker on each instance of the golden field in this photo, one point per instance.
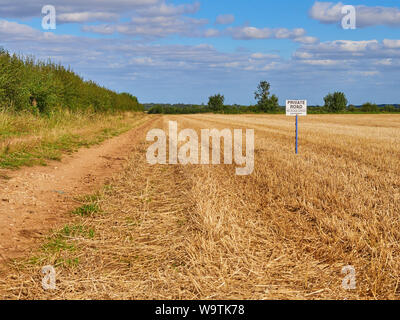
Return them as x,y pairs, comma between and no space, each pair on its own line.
201,232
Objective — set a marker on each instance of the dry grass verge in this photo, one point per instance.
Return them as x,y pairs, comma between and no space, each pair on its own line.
27,140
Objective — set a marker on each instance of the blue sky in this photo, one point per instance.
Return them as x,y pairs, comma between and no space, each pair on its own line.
184,51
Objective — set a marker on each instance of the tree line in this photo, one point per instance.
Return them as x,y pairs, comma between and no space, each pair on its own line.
45,87
338,103
268,103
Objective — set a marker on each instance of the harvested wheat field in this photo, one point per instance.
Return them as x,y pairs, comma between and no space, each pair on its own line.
202,232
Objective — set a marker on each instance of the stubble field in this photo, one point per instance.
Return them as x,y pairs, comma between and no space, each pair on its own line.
201,232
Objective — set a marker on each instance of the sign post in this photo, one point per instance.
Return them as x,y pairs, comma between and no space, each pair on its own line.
296,108
297,133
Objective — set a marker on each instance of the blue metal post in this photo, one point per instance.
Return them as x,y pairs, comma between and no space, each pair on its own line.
297,134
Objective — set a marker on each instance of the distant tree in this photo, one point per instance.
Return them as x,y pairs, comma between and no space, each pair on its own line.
265,102
216,103
369,107
156,110
351,108
389,108
335,102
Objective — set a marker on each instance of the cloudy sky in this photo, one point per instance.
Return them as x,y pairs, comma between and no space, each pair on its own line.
184,51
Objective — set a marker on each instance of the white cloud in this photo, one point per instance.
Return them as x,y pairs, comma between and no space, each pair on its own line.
326,12
250,33
104,29
271,66
157,21
326,62
392,44
155,27
347,46
124,55
210,33
164,9
365,58
80,17
17,31
369,73
145,61
331,13
259,56
77,11
302,55
306,40
384,62
225,19
32,8
354,46
232,64
151,19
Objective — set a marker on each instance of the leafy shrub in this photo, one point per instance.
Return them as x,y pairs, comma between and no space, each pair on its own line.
335,102
369,107
45,87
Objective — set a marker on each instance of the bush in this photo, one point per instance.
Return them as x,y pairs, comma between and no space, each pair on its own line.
369,107
45,87
335,102
265,102
390,108
216,103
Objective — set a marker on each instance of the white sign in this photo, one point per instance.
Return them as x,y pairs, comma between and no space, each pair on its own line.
296,107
